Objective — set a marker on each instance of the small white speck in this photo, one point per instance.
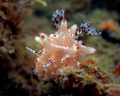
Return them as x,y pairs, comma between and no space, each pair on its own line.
63,37
68,30
61,32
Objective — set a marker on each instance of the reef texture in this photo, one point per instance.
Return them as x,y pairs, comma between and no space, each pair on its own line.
11,14
87,80
16,63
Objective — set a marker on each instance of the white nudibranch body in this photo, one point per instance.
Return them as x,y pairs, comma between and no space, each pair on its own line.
59,51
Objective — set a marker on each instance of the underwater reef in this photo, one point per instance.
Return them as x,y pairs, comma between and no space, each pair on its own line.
98,74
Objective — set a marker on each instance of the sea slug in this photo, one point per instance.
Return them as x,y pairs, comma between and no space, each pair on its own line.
61,50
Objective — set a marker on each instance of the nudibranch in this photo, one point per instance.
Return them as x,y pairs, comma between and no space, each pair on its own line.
59,51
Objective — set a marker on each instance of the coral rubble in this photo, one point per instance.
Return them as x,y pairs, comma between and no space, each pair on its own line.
87,80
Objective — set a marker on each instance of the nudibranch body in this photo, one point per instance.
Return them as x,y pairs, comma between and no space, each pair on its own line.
59,51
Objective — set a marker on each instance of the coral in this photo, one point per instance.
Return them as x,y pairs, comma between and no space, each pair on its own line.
61,50
87,80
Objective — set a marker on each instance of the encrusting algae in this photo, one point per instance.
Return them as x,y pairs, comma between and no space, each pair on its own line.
61,50
11,15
